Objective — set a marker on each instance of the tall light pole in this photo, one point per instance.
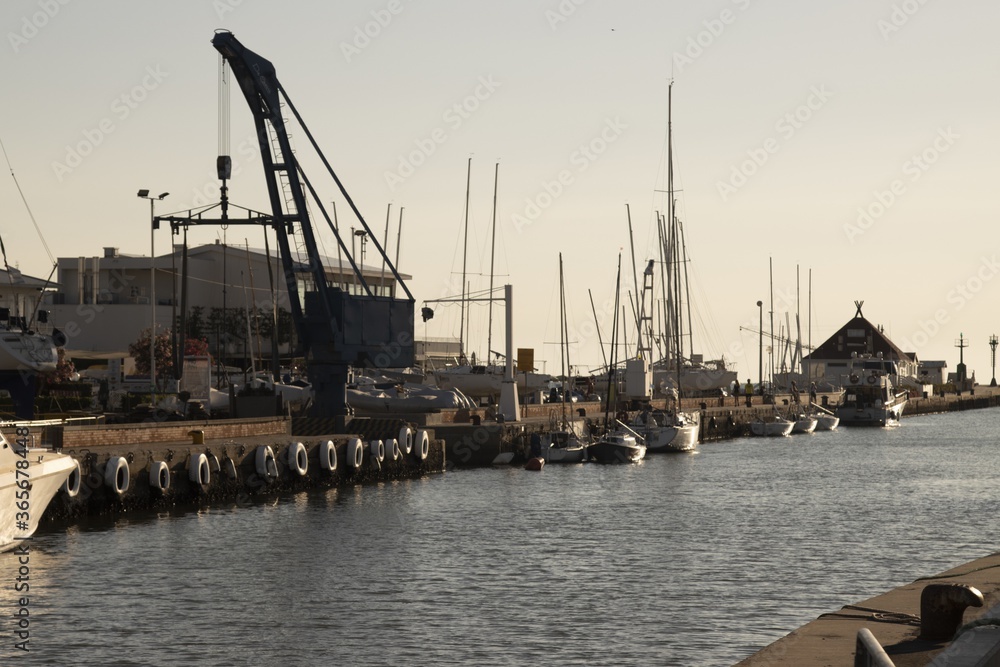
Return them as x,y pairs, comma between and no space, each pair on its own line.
153,225
993,355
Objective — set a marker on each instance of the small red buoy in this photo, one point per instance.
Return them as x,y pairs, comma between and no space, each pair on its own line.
535,463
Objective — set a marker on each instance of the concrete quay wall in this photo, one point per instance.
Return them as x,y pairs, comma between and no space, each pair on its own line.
231,449
473,438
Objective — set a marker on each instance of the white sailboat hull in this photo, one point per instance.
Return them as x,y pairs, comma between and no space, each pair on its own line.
695,379
482,381
826,422
772,429
672,438
805,425
27,352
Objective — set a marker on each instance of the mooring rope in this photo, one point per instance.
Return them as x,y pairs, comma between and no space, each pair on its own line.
879,615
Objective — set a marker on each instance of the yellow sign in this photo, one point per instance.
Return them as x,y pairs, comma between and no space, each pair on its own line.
526,359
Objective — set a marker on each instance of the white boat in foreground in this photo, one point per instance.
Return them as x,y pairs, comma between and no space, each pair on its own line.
26,491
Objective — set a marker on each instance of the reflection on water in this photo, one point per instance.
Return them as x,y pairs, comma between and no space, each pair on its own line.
682,560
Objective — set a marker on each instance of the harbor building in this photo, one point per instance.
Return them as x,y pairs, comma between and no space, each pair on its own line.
103,303
830,363
19,295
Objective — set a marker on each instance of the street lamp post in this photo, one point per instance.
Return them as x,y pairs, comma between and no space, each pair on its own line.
144,194
993,358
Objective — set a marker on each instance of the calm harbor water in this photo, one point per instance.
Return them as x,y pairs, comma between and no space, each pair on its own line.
681,560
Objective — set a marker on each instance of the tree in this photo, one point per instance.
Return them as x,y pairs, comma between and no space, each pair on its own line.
65,372
139,351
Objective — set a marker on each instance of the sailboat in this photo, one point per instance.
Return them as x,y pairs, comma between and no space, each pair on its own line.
616,446
662,431
466,376
563,444
25,352
678,367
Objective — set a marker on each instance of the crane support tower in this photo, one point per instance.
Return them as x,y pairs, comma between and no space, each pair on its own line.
337,329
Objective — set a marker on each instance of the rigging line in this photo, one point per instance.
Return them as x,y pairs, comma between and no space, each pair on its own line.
26,206
206,281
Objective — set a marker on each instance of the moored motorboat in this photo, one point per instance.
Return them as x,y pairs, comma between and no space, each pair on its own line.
27,490
617,448
871,400
778,426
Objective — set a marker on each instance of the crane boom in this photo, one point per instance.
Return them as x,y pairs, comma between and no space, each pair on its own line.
336,329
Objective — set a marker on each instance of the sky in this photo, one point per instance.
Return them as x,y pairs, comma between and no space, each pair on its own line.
849,147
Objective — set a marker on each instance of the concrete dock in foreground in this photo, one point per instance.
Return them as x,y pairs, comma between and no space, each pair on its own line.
893,619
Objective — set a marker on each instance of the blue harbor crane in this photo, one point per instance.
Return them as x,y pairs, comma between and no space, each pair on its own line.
337,330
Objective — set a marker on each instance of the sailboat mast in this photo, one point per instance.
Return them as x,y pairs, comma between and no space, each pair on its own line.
635,276
399,236
385,244
614,339
562,335
798,326
687,288
597,327
665,326
810,327
672,236
465,254
770,264
678,306
493,243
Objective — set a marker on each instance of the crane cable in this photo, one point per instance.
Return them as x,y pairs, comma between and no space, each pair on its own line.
27,207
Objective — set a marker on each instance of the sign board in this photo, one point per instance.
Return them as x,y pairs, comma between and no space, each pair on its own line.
526,359
197,379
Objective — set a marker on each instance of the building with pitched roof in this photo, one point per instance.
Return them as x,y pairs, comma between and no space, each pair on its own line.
858,338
